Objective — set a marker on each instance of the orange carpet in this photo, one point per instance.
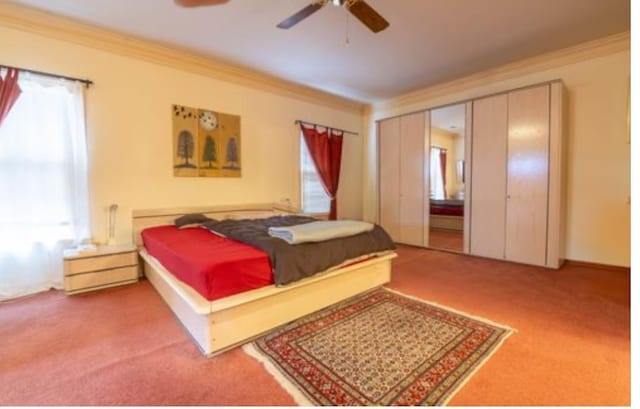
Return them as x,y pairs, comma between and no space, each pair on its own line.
124,347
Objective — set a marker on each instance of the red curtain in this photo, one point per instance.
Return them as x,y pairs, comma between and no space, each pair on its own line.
9,92
443,167
325,148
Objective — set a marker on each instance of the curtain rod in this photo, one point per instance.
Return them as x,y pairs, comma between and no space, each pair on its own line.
299,121
87,83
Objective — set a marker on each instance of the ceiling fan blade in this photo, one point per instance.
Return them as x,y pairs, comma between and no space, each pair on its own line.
368,16
301,15
199,3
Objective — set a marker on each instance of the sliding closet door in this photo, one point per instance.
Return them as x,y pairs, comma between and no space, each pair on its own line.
528,175
489,163
467,174
389,177
555,229
426,178
412,179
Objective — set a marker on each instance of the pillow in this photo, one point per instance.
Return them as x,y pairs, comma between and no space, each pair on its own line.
191,220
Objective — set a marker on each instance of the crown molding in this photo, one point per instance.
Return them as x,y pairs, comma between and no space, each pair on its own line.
566,56
50,25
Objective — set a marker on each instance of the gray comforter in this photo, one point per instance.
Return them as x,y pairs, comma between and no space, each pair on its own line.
294,262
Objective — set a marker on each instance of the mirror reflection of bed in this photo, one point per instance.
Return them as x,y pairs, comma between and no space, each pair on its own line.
447,178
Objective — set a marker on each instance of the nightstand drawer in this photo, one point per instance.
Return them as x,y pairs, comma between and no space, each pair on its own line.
89,281
88,264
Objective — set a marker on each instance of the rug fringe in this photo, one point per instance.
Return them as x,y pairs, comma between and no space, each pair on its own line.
444,307
299,398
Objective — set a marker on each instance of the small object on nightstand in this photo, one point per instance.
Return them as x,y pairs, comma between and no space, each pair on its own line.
102,267
112,224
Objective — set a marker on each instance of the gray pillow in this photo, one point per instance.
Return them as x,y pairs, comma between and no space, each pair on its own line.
191,220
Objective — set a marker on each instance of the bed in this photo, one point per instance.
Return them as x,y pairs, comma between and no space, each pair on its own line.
446,214
223,323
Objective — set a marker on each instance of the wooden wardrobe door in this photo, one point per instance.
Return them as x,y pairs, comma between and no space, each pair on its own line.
528,175
555,226
426,182
412,179
389,178
468,175
488,169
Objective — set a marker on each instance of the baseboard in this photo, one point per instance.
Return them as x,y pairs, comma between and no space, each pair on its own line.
600,266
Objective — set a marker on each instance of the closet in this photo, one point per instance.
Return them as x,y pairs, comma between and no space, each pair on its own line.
403,180
513,179
489,169
516,167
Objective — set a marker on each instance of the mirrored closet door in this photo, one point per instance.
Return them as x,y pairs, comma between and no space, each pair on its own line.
448,177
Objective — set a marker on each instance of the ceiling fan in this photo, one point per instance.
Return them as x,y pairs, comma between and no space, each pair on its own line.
359,8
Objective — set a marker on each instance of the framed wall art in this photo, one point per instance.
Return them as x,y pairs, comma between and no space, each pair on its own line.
206,143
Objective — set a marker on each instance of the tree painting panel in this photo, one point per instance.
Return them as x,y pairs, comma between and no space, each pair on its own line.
184,141
209,154
185,149
232,154
209,142
231,142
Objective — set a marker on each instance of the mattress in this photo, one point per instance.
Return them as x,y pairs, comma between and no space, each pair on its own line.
214,266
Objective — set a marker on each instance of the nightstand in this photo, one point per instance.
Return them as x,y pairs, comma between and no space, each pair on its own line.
107,266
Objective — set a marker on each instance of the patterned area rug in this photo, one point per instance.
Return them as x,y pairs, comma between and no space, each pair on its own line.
380,348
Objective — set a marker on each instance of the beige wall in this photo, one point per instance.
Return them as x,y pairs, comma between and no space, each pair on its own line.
129,133
598,166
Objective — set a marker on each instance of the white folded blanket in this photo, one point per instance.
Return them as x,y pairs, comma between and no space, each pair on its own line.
319,231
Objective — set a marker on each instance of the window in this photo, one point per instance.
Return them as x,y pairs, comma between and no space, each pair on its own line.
314,197
43,184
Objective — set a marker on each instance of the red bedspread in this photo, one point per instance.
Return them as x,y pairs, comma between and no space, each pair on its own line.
214,266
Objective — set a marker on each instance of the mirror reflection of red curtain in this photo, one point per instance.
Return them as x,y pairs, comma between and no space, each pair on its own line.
9,92
325,148
443,167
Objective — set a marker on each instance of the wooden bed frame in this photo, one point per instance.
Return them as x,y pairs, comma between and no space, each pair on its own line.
219,325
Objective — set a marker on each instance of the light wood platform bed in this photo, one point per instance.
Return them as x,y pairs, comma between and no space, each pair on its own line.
222,324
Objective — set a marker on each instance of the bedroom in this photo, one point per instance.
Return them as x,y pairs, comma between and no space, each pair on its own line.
129,149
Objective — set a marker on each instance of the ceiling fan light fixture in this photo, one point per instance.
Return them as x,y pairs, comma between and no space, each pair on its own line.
359,8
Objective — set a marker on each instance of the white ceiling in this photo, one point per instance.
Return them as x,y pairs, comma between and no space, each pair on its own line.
429,41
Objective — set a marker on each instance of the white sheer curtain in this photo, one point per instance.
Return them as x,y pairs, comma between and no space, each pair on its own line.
44,205
436,179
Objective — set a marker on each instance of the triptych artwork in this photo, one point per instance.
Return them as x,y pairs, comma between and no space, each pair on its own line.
205,143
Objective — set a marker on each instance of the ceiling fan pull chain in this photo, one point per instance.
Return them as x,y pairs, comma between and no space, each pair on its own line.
346,40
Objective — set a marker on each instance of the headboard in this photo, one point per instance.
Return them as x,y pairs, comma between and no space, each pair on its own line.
142,219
